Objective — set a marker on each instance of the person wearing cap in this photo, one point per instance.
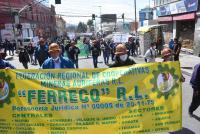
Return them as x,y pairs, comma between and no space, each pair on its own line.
167,55
24,57
41,51
4,64
73,53
122,58
56,60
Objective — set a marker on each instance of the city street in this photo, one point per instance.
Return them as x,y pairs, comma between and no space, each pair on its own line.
133,100
190,125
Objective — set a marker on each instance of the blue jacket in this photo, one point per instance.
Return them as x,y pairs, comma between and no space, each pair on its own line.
4,64
171,44
65,63
195,79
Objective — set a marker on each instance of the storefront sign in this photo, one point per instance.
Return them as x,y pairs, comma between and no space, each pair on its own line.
182,6
143,98
164,19
184,17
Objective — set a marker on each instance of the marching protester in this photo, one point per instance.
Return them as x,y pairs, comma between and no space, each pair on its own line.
122,58
41,51
167,55
195,82
30,50
6,45
67,45
73,53
112,47
150,55
137,46
132,46
4,64
56,60
176,49
24,57
62,48
95,53
10,48
171,44
106,52
159,45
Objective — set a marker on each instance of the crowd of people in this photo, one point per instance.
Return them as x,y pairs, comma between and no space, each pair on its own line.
52,55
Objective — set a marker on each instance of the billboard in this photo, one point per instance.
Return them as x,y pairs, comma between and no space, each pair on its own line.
108,18
183,6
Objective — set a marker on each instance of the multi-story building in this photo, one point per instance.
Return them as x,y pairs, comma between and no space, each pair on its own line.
145,14
181,19
60,26
37,20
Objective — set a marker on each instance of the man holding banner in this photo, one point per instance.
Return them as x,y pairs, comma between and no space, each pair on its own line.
56,61
4,64
122,58
195,82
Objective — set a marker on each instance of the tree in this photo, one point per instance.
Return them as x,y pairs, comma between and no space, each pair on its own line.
82,28
71,28
90,25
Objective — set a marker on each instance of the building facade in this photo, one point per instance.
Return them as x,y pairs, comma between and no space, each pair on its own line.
181,20
60,26
34,19
145,14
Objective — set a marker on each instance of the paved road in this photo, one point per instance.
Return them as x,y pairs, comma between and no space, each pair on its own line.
190,125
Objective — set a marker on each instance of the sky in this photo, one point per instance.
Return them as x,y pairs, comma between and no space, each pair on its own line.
88,7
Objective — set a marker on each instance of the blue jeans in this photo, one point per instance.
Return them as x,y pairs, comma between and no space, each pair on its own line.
106,57
95,61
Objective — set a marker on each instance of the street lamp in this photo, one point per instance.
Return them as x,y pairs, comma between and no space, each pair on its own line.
135,18
100,20
17,18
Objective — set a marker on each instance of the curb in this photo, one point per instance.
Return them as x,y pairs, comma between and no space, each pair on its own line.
186,73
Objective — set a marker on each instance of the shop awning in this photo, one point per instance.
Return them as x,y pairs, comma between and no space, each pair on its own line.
145,29
164,19
189,16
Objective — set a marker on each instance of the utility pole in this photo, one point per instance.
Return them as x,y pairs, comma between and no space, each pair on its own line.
13,21
100,20
123,21
135,17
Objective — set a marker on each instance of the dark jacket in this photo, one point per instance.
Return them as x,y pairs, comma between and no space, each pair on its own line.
119,63
177,50
30,49
195,79
105,48
65,63
41,53
95,51
73,53
23,57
